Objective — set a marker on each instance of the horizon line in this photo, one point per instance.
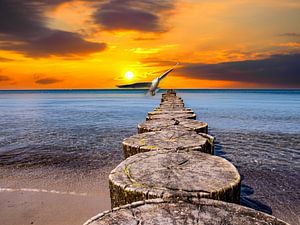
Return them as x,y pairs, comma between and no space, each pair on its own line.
142,89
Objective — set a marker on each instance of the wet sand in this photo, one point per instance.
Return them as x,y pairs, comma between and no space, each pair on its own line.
22,208
48,196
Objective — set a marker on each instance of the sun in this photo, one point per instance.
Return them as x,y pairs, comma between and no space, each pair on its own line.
129,75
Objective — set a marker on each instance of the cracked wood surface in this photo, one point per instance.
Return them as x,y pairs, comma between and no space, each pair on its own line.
184,124
172,140
195,212
176,175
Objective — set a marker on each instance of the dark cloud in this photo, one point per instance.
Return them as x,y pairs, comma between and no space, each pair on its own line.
23,29
45,81
154,62
133,15
4,78
57,2
20,20
3,59
57,43
52,2
145,38
291,34
277,71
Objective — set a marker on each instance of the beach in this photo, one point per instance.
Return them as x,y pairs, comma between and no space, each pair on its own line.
58,147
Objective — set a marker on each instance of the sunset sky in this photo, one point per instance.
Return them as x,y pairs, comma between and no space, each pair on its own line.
92,44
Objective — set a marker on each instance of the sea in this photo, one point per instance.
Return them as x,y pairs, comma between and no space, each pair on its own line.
67,141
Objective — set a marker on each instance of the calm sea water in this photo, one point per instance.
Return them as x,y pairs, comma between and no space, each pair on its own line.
54,134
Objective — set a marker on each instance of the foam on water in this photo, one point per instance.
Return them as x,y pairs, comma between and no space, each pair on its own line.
41,191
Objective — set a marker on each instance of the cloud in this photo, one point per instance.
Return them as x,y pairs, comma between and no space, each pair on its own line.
289,44
290,34
135,15
46,81
3,59
52,2
145,38
60,43
154,62
4,78
276,71
23,29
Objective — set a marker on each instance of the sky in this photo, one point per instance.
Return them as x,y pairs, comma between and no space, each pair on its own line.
70,44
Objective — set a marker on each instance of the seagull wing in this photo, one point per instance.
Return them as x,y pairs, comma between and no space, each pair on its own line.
166,73
136,85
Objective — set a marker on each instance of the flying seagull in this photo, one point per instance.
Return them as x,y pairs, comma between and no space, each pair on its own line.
151,85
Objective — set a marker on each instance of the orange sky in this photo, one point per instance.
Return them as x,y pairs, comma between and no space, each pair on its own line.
92,44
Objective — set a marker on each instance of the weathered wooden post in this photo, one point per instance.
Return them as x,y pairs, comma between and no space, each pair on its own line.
168,140
170,112
176,175
172,109
159,125
172,115
194,212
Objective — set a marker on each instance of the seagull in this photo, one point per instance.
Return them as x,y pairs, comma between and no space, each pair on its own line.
153,85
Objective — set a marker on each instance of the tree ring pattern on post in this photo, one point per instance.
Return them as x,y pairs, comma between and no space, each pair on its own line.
203,211
169,140
175,175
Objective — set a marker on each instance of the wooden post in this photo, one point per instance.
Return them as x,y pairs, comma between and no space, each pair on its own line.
193,212
172,115
172,108
170,112
159,125
169,140
177,175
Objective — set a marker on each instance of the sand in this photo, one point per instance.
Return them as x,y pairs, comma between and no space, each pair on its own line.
22,208
51,196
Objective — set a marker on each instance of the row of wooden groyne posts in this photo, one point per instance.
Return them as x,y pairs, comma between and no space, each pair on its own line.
171,176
